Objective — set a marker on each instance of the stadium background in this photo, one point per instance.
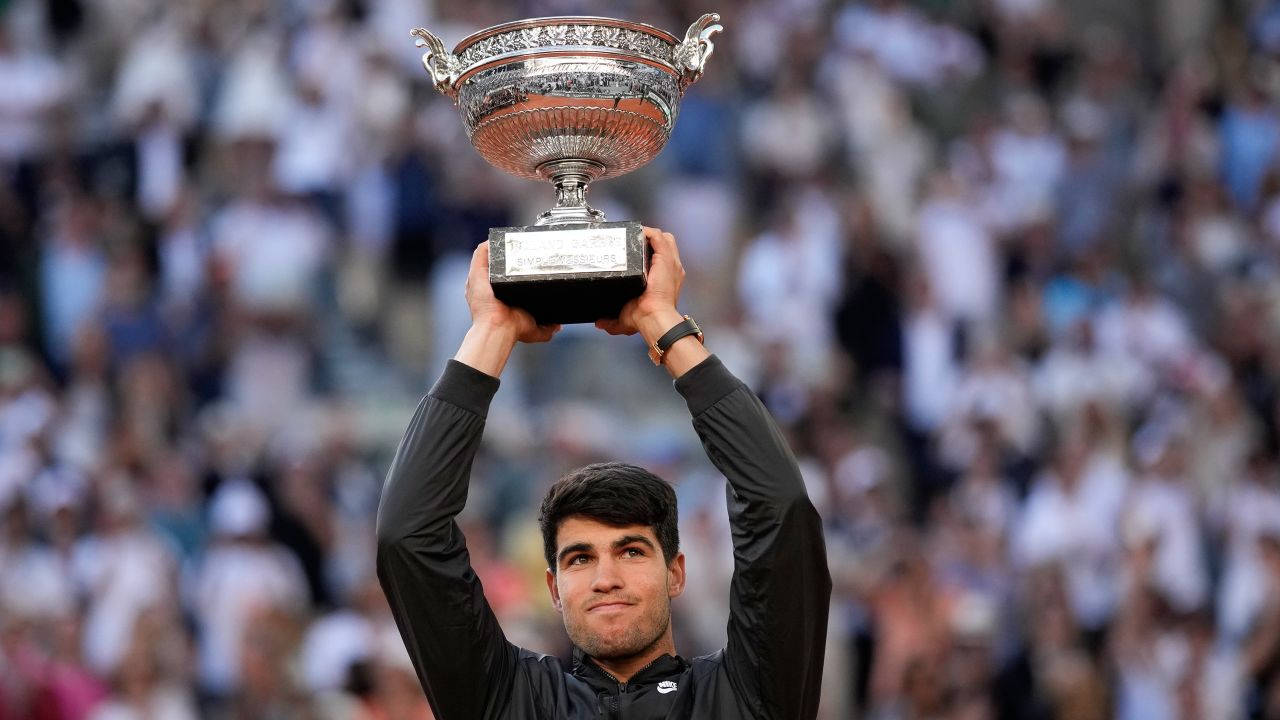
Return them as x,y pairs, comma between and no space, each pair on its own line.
1007,271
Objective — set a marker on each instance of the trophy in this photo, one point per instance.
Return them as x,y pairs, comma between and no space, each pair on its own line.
569,100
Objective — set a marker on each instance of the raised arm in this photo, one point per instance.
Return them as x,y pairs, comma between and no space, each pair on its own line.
459,651
781,587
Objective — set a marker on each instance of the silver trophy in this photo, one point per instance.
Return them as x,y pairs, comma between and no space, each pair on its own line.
569,100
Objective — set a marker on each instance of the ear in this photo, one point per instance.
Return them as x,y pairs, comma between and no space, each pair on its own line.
675,576
554,590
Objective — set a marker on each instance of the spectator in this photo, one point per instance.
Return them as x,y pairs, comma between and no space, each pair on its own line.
242,576
1069,521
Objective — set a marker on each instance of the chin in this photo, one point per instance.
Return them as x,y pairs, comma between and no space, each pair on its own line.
613,648
620,643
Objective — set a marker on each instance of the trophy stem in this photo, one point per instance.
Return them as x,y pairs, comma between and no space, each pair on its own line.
571,178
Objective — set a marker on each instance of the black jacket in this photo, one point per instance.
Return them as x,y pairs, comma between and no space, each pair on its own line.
772,665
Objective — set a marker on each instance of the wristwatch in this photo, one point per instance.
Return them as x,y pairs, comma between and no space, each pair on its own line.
686,327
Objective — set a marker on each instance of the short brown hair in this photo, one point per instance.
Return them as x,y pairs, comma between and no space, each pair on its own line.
615,494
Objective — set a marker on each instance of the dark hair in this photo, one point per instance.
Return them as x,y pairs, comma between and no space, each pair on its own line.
615,494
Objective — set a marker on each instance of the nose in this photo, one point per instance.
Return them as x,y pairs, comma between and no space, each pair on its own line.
607,577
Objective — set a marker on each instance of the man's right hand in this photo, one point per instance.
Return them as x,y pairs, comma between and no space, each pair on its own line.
654,312
656,306
495,326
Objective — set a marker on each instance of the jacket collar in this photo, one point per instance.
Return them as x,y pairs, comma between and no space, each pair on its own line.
662,667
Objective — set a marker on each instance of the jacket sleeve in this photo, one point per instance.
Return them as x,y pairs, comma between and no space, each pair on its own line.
781,587
462,658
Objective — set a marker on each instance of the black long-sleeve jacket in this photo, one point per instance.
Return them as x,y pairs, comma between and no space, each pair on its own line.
772,665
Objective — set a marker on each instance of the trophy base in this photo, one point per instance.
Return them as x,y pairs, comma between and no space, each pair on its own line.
564,274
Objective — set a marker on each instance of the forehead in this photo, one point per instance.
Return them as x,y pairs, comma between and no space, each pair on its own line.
577,529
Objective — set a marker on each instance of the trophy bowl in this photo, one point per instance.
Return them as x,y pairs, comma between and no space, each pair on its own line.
569,100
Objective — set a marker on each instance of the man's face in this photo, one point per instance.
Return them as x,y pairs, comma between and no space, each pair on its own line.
614,588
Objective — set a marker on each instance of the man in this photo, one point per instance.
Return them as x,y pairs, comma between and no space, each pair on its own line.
611,543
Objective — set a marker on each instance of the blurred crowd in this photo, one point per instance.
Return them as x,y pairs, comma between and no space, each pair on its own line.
1006,271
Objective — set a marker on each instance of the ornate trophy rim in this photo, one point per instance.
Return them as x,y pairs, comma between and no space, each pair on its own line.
648,44
492,30
571,98
685,59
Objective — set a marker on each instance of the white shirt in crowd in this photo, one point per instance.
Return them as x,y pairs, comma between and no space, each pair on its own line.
1164,508
958,256
1077,530
1248,510
1070,375
904,42
791,275
1146,327
31,84
124,574
33,585
313,155
276,275
1029,164
169,703
236,581
929,373
241,576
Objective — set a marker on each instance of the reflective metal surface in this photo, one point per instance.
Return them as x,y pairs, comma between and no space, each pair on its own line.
570,100
525,113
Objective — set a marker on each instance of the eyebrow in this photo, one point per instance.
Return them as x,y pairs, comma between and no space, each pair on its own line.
626,540
621,542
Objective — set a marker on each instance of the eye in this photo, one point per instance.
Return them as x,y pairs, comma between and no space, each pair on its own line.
579,560
633,552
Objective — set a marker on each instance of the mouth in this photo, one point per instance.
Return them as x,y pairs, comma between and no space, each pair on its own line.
609,607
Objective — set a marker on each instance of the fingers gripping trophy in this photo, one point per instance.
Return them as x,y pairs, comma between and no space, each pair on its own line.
569,100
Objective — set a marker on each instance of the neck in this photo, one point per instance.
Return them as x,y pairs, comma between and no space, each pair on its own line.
623,669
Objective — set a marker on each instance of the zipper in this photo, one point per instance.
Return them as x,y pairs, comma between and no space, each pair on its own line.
622,686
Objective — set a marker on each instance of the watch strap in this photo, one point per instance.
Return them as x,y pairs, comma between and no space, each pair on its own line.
684,328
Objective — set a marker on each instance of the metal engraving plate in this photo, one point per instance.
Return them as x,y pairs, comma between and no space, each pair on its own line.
551,252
